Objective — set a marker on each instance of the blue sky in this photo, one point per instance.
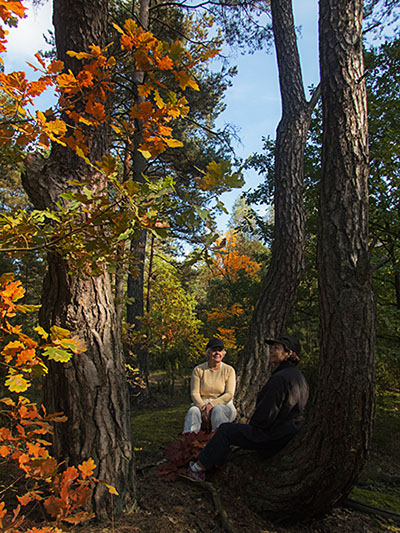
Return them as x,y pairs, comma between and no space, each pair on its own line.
252,103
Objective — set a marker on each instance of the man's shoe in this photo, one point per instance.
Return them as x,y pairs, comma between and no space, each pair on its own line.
193,475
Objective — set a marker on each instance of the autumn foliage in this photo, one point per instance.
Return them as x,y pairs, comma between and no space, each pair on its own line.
34,476
91,221
232,271
180,452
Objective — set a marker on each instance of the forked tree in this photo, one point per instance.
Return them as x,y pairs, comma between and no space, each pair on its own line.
279,289
320,466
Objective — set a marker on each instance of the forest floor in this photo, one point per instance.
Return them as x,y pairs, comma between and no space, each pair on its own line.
185,507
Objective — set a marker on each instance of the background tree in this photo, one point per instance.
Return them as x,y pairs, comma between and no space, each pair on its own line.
383,78
170,328
232,277
201,145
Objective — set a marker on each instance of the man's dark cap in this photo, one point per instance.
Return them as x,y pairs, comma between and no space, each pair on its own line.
288,341
214,342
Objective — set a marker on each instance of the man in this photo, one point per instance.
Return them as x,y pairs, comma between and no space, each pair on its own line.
278,416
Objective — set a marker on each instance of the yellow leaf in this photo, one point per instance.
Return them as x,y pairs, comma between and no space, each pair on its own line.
58,354
27,308
185,80
145,153
111,489
79,55
59,333
11,349
55,127
117,129
41,332
8,401
120,30
173,143
158,100
17,383
75,344
130,26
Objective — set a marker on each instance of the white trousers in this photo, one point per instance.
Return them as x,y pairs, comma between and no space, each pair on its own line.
219,414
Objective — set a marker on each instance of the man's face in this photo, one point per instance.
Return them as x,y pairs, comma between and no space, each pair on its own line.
278,354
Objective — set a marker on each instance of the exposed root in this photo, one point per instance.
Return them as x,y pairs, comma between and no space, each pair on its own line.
370,509
217,504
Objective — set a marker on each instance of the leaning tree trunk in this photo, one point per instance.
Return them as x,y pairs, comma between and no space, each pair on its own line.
321,466
90,389
279,290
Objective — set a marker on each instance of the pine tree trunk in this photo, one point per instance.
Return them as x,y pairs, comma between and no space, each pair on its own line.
279,290
91,389
323,463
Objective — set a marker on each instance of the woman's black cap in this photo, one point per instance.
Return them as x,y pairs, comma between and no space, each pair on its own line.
288,341
214,342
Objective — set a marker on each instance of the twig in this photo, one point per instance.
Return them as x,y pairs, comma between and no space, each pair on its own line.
370,509
140,469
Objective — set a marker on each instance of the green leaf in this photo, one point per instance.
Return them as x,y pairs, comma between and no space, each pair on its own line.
57,353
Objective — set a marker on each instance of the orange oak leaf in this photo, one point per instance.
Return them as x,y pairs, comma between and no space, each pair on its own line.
13,291
165,63
4,451
53,506
87,468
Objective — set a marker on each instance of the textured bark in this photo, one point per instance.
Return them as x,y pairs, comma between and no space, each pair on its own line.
91,389
278,292
322,464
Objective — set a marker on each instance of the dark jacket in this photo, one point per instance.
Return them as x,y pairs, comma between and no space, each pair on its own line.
281,402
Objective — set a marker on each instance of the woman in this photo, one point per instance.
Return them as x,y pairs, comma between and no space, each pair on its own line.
278,416
212,387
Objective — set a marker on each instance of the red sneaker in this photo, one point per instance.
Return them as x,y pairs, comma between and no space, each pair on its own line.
193,475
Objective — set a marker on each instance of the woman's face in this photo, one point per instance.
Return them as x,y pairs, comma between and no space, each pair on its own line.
215,356
278,353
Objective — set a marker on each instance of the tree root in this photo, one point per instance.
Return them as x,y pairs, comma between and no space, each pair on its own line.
219,507
227,526
370,509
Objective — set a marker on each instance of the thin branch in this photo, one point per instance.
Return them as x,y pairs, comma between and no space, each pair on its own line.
315,97
208,130
179,32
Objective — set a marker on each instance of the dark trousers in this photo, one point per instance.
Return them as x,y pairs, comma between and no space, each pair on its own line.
242,435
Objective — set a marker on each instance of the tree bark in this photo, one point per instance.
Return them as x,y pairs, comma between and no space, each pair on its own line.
90,389
322,464
279,289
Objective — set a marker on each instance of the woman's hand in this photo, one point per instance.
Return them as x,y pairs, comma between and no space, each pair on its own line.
206,412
